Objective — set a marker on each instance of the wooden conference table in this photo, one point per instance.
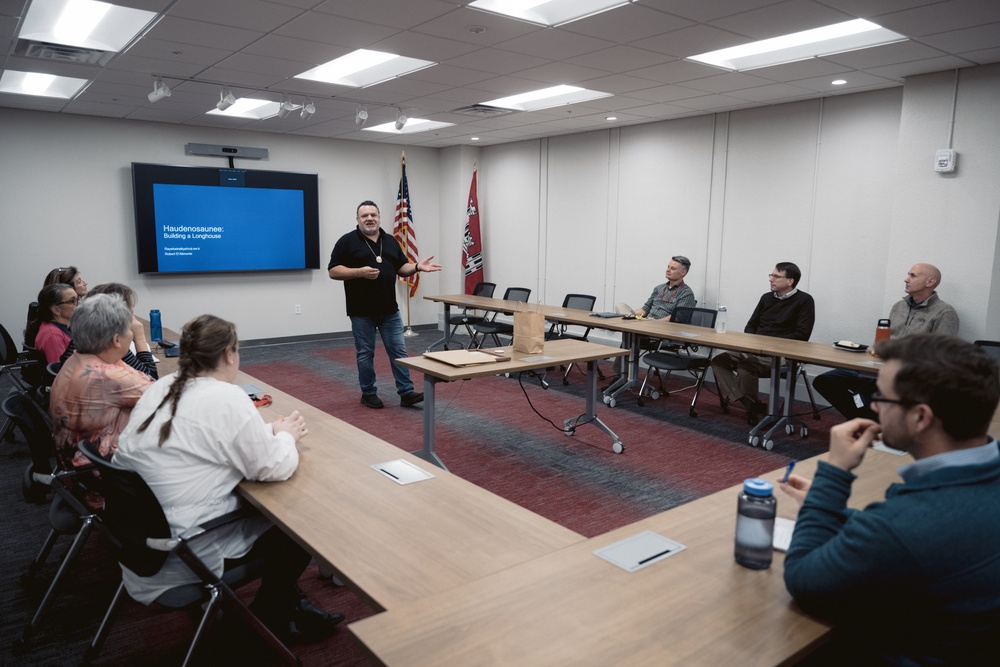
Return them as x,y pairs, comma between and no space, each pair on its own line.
791,352
556,353
393,543
571,607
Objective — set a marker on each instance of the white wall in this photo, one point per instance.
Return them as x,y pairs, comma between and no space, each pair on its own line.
66,182
842,186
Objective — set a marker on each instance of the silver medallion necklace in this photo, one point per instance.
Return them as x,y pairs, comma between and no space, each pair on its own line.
378,257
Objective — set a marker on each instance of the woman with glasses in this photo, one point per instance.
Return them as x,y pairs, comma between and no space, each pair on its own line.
49,331
94,392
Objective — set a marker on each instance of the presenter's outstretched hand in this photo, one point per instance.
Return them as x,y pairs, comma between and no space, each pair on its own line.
426,266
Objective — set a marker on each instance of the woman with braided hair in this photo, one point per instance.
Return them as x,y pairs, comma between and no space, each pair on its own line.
193,437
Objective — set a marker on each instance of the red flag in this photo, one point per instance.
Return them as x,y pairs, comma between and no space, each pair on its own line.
472,247
403,228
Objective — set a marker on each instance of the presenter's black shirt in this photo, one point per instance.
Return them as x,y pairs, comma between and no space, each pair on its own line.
369,298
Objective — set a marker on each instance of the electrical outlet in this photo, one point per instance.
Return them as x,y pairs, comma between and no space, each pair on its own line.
298,309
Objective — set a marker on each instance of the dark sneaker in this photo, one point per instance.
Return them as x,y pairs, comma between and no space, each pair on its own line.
373,401
411,399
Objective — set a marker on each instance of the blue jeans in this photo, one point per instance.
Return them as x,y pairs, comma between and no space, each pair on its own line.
390,328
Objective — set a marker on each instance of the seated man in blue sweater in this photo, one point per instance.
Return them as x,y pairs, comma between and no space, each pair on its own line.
784,312
913,580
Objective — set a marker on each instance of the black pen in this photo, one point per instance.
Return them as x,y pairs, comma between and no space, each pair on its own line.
654,556
389,473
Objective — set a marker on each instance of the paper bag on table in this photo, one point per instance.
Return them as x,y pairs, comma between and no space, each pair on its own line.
529,331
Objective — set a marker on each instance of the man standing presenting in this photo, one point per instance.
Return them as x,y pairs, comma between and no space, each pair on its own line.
368,261
913,580
920,311
670,295
784,312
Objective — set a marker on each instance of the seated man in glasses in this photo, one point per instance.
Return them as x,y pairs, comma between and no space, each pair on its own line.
669,295
784,312
913,580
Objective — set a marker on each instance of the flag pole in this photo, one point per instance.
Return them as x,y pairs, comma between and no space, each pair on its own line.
408,332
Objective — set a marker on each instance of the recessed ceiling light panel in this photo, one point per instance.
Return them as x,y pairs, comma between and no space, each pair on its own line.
40,85
547,12
547,98
83,23
247,107
363,68
412,126
825,41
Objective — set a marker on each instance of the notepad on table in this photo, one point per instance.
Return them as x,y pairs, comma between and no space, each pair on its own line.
465,357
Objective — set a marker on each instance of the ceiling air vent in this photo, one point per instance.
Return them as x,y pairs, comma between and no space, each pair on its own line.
482,111
62,53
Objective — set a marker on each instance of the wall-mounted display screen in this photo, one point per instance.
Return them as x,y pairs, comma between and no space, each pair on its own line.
205,219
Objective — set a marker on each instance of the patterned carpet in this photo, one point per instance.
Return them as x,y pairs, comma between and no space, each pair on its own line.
486,433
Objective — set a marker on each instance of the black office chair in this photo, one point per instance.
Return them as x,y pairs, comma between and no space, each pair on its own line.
558,331
141,540
494,328
69,513
18,368
467,318
671,356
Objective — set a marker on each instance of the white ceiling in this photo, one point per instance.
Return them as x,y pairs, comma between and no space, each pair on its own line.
635,52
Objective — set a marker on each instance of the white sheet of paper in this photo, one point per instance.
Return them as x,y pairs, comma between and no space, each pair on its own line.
402,472
783,529
639,551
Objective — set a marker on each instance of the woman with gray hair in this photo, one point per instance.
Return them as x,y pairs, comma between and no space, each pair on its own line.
94,392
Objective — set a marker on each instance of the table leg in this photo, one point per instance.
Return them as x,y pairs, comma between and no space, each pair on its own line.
772,408
427,453
446,339
590,415
775,422
631,378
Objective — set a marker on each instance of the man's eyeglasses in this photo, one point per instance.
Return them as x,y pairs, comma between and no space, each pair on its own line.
775,276
879,398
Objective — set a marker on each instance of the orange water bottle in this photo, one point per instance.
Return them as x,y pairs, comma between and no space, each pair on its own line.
882,331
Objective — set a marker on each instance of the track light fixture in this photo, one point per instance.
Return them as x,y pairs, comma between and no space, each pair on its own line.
308,109
401,120
226,99
362,116
285,107
160,90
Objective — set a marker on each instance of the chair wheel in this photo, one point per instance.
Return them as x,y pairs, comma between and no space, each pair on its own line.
804,432
565,382
612,403
789,429
654,394
769,445
640,402
754,440
617,447
692,413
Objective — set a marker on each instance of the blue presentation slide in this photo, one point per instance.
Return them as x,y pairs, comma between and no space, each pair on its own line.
212,228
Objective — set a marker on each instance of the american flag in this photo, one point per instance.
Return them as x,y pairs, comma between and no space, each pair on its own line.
403,228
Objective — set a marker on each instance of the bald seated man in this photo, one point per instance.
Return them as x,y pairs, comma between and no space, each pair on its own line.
920,311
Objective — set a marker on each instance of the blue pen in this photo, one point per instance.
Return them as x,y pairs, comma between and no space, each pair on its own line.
791,466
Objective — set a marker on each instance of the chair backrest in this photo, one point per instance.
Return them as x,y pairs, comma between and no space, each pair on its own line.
8,348
131,515
484,289
699,317
517,294
29,418
990,347
579,301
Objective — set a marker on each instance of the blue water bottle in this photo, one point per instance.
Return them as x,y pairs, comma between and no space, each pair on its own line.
155,328
755,513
